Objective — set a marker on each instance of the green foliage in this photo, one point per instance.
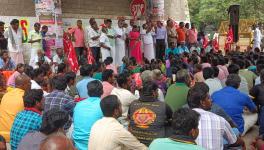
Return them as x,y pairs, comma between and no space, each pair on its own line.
212,12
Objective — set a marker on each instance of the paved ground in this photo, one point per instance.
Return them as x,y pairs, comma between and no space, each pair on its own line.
250,136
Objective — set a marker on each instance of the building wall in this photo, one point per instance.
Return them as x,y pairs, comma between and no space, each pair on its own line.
17,8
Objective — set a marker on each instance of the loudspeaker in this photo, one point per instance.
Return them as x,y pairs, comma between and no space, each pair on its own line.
233,12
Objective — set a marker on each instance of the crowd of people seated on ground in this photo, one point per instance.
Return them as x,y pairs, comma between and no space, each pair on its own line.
187,98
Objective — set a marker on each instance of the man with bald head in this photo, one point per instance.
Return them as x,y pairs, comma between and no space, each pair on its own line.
11,104
57,142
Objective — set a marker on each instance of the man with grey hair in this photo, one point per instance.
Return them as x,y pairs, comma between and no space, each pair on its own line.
177,93
233,101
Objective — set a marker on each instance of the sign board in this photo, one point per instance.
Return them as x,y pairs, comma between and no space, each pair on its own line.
137,8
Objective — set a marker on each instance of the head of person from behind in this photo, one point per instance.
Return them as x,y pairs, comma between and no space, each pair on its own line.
108,76
79,24
198,96
86,70
124,81
70,78
2,143
59,83
23,82
233,80
150,89
37,27
95,88
111,106
185,122
14,24
38,75
34,99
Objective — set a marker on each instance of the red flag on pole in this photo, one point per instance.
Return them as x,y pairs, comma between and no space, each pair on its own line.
70,52
229,39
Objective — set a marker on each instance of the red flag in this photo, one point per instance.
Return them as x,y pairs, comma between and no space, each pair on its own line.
229,39
90,57
215,42
72,59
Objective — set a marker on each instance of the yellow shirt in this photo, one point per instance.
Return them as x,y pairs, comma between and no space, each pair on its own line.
11,103
33,35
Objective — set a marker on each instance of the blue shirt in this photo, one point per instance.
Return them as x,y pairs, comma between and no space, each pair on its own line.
10,65
25,122
85,114
81,87
233,103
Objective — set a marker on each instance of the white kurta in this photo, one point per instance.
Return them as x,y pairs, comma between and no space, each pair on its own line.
257,38
105,52
120,47
16,51
148,42
33,35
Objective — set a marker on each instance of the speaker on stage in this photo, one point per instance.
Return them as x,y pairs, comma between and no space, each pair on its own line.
233,12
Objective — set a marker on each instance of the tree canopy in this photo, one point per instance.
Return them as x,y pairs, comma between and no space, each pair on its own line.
212,12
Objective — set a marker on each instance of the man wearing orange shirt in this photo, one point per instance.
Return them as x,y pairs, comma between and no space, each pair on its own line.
181,34
12,103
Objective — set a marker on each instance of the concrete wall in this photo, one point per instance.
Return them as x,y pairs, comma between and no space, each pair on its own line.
17,8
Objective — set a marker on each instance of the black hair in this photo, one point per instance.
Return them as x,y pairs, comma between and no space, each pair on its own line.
148,88
109,104
2,23
3,52
216,71
37,72
108,61
262,76
241,64
184,120
44,27
196,94
36,24
233,69
133,61
28,70
70,76
208,73
31,97
14,21
97,66
61,68
122,79
95,88
108,20
108,73
59,83
86,70
233,80
53,120
20,65
45,68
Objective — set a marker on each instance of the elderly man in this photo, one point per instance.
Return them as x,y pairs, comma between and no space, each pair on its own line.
12,103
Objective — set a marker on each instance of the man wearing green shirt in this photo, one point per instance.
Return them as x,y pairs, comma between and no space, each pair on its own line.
177,93
185,125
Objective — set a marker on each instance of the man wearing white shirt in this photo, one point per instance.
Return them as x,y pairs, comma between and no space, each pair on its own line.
213,83
124,95
148,42
14,36
93,35
120,43
257,37
105,44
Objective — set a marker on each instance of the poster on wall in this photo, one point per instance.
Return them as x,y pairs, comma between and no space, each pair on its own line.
137,8
155,9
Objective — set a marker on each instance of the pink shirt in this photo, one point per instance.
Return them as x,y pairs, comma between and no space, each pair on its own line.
112,67
205,65
192,36
78,35
107,89
221,75
12,78
224,69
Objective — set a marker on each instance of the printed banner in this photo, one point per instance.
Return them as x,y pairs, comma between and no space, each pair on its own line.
24,24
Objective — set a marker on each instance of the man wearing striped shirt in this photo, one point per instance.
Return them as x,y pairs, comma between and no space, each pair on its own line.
213,129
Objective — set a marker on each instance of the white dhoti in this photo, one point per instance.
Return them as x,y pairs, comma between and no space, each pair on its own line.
149,51
105,53
33,54
256,44
120,52
17,57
